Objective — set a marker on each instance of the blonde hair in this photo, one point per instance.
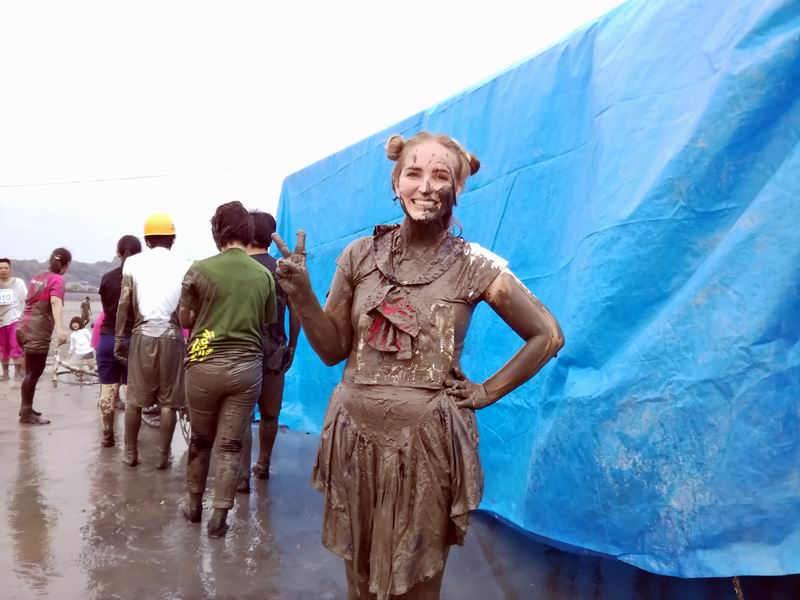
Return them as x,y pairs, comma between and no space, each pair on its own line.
397,148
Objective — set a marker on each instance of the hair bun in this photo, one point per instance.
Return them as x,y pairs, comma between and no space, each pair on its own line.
394,147
474,163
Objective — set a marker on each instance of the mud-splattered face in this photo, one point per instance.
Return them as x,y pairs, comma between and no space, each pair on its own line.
427,181
5,271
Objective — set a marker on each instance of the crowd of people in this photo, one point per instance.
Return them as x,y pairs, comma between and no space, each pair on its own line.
398,458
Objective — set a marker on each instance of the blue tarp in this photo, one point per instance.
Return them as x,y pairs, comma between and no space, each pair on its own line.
643,179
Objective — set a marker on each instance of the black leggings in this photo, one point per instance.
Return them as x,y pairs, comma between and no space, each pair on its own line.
34,367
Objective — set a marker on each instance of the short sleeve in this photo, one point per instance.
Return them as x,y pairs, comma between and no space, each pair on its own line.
55,287
128,265
355,259
20,291
481,268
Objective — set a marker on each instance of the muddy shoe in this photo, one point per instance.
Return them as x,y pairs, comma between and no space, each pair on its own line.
217,526
162,460
261,471
243,487
193,509
131,457
19,376
108,439
33,419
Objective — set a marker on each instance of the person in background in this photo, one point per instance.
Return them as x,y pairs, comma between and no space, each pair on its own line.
12,303
80,343
86,311
226,301
278,356
44,311
151,288
111,371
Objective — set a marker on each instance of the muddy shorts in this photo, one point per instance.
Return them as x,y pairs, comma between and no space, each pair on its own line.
9,348
33,344
155,371
109,369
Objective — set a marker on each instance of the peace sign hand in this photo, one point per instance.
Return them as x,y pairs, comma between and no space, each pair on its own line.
291,270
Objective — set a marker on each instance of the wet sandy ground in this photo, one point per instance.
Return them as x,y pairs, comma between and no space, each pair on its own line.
76,523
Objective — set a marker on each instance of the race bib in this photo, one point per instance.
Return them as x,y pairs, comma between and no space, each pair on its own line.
6,297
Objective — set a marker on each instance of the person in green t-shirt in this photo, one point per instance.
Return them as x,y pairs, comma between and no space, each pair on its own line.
225,302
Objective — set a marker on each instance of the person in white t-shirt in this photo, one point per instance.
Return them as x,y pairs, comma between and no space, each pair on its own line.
151,288
80,343
12,302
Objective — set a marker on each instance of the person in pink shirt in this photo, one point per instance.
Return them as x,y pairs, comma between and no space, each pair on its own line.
44,311
96,329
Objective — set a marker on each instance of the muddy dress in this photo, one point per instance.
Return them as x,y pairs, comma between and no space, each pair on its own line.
398,461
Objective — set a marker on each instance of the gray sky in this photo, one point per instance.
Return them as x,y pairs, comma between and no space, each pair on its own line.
111,111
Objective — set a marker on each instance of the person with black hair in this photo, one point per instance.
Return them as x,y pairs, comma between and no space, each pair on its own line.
225,301
44,311
278,357
150,289
112,372
12,303
80,343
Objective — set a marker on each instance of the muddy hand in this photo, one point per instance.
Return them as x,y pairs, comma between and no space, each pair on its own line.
121,350
466,393
291,269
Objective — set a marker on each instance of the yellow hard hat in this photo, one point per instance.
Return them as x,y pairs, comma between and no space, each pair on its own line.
159,224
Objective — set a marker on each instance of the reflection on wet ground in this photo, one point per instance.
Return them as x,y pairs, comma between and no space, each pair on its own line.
78,524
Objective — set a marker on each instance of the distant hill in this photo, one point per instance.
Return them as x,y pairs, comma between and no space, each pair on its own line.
81,276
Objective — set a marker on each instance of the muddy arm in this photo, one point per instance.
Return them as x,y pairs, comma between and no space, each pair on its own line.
57,306
328,330
125,296
529,318
187,312
294,333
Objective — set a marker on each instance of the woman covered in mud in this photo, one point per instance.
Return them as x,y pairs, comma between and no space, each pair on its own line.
112,371
398,459
44,311
225,301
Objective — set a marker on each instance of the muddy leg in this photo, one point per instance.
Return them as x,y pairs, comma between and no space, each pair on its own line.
243,484
269,402
19,369
202,399
234,417
107,394
34,367
169,417
133,421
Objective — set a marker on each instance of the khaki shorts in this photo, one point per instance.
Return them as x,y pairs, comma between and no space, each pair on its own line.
155,371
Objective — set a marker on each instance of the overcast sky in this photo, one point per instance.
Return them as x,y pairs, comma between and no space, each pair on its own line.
110,111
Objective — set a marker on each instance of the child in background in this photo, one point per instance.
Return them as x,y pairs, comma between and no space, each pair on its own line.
80,343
